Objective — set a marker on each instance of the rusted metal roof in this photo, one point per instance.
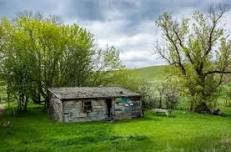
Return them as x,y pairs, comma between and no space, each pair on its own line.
68,93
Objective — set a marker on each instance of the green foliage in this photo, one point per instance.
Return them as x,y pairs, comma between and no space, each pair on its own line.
107,65
189,132
38,53
200,52
127,79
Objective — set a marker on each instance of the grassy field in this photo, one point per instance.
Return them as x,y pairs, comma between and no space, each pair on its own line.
151,73
183,132
186,132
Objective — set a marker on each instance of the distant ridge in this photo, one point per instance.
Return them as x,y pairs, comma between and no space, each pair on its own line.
151,73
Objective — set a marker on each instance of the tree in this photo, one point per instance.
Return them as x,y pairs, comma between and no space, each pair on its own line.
107,67
17,67
200,51
38,53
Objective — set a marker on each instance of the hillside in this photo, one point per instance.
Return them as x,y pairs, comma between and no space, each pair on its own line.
152,73
155,73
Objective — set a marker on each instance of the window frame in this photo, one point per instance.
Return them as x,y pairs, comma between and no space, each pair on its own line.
87,106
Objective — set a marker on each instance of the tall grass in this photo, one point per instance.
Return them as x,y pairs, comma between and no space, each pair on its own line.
189,132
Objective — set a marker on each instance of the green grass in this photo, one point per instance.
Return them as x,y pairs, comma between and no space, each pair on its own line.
152,73
185,132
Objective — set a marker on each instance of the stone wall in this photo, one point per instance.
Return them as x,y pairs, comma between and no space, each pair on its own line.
55,109
73,111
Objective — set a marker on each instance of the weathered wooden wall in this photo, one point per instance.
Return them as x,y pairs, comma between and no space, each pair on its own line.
126,108
55,109
73,111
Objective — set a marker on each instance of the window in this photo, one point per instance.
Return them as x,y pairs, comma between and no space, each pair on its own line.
87,106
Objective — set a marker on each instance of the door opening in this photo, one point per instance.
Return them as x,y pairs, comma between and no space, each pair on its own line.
109,109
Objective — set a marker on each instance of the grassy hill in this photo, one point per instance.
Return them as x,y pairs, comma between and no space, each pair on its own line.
156,73
151,73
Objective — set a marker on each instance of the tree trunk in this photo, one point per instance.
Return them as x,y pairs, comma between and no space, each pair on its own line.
46,101
160,103
192,105
202,108
8,98
25,104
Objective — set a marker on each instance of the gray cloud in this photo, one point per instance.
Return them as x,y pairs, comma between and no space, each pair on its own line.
126,24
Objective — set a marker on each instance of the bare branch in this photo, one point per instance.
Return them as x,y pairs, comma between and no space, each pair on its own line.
179,62
182,45
215,17
218,72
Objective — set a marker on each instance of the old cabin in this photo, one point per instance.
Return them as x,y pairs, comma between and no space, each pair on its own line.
78,104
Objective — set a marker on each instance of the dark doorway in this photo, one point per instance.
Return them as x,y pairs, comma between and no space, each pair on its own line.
109,107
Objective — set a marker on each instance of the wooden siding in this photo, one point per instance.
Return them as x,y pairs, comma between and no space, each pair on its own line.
73,111
126,108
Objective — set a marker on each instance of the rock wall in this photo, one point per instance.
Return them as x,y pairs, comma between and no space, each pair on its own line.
73,111
55,109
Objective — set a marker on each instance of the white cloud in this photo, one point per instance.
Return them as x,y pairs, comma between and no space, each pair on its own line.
126,24
136,50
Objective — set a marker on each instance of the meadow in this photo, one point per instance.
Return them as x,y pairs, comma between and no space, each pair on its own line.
183,131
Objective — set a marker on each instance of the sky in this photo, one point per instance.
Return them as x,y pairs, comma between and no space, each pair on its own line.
129,25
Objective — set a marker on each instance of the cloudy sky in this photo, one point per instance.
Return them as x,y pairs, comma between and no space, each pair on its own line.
126,24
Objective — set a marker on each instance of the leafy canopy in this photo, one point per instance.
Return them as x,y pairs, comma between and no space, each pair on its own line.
200,51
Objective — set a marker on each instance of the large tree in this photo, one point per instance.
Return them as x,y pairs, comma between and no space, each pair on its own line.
37,53
199,49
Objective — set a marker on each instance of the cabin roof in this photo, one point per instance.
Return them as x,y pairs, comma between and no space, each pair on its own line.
69,93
